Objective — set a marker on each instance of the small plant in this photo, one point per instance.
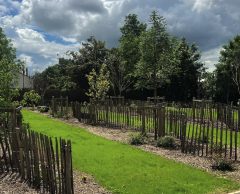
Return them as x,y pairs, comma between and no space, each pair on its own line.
137,139
43,109
166,142
223,165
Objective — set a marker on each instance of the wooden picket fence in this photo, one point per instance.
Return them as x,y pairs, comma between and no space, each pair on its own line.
44,162
144,119
201,130
60,107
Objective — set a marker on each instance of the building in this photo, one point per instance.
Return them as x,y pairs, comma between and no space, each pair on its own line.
24,81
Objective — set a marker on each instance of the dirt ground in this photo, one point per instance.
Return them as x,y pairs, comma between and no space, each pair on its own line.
83,184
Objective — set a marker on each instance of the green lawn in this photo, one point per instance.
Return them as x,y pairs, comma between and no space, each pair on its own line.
122,168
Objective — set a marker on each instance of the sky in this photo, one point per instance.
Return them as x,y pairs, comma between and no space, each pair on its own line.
43,30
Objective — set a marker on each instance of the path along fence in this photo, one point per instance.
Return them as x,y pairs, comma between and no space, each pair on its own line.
44,162
202,129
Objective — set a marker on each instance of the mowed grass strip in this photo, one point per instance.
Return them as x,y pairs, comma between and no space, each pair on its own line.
122,168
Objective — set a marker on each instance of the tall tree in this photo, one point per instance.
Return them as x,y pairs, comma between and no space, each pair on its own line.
184,84
230,56
226,89
129,51
156,61
91,55
9,68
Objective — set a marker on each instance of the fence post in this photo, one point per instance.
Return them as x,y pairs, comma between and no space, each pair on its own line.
183,131
66,114
107,114
143,121
128,115
52,104
61,106
193,108
155,120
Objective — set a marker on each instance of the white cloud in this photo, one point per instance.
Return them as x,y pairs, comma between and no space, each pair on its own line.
211,57
208,23
202,5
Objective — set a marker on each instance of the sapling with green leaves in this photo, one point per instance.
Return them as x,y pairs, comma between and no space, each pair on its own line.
99,84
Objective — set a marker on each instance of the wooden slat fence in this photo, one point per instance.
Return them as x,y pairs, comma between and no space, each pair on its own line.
60,107
44,162
203,130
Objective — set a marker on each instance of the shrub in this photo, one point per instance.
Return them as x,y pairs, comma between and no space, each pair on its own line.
137,139
166,142
43,109
223,165
30,98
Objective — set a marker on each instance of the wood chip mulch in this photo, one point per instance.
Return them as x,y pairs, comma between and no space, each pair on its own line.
11,183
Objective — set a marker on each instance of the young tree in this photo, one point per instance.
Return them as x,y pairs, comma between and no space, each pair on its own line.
157,61
230,56
9,68
98,83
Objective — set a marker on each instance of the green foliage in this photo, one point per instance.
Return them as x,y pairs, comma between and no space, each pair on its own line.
156,62
227,72
31,98
166,142
137,139
120,77
185,80
9,68
230,57
208,85
223,165
129,42
98,84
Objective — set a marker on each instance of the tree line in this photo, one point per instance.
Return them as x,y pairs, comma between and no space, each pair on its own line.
148,61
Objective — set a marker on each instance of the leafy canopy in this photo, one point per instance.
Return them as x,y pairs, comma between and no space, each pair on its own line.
9,69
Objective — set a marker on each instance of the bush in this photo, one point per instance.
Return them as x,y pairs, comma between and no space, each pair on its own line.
137,139
223,165
30,98
166,142
43,109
